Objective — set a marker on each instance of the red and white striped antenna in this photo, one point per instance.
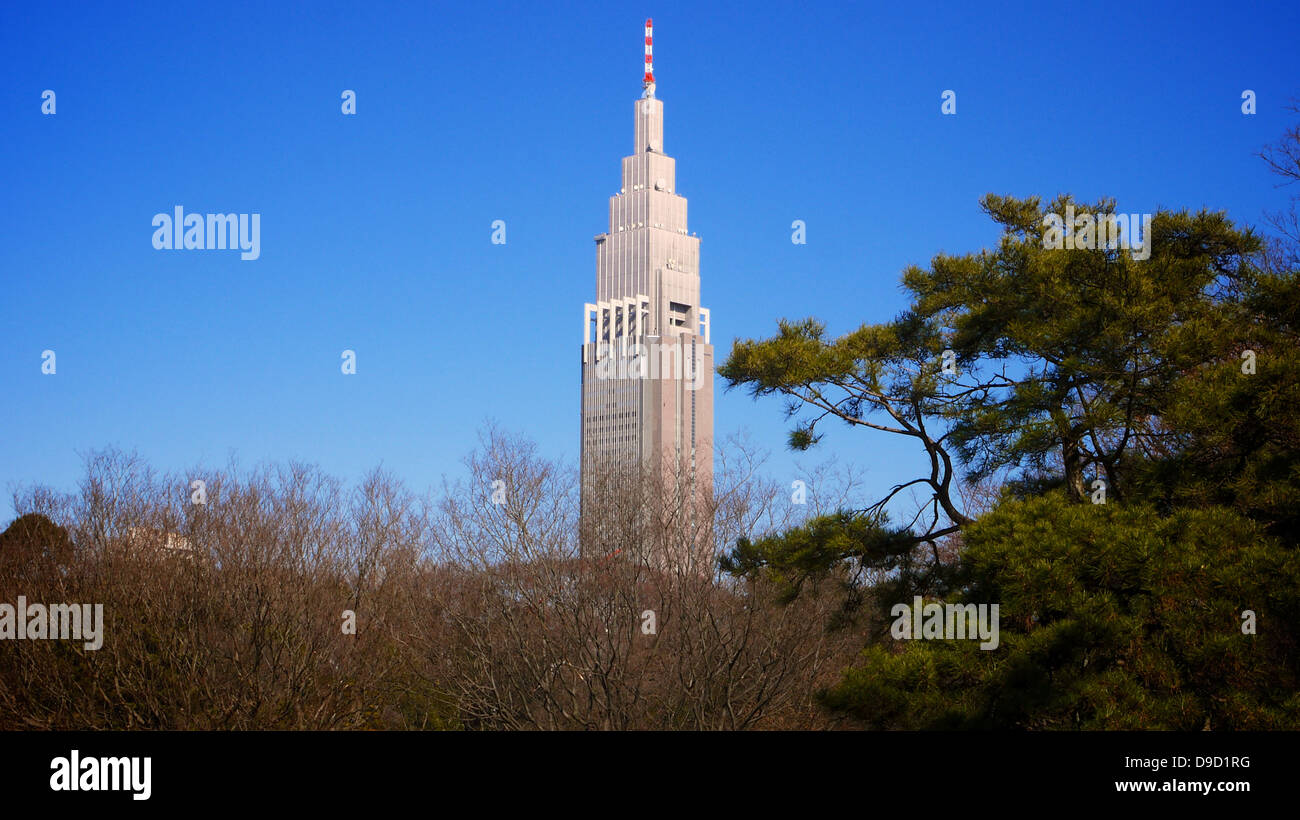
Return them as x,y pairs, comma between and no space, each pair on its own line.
649,81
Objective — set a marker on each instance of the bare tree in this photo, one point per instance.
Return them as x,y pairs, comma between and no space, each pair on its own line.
283,599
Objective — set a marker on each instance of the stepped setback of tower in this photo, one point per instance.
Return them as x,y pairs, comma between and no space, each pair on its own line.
647,362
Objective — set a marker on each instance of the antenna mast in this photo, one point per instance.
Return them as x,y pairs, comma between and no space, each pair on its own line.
649,82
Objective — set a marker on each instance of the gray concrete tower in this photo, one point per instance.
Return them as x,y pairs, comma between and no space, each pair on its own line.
647,364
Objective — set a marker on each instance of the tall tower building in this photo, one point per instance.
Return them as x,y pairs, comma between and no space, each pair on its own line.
647,364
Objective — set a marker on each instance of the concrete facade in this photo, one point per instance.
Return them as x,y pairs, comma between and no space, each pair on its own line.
647,361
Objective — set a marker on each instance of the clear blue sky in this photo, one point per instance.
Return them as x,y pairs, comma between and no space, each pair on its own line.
375,229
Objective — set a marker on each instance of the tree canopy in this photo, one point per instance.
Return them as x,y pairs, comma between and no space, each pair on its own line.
1135,405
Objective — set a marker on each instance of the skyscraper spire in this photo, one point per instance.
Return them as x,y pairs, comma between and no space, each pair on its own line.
649,82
